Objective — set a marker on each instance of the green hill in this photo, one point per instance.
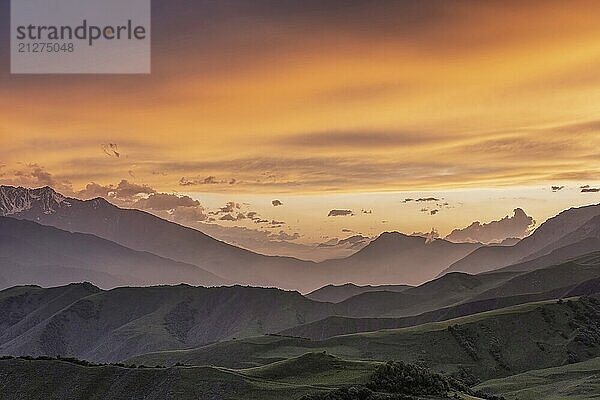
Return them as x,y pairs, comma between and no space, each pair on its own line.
89,323
579,381
472,294
482,346
51,378
310,376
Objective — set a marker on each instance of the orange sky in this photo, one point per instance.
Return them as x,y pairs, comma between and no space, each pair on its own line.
326,97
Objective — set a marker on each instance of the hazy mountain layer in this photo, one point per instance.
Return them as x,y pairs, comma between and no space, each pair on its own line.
336,294
31,253
392,258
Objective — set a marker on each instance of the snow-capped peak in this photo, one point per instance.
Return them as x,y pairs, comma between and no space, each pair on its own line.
15,200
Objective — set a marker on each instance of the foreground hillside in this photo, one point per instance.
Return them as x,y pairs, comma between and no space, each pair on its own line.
579,381
302,377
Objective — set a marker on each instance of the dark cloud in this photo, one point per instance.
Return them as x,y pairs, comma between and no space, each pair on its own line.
277,203
94,189
355,242
433,212
164,201
282,235
590,190
227,217
518,225
426,199
230,207
557,188
366,211
340,213
35,175
209,180
126,189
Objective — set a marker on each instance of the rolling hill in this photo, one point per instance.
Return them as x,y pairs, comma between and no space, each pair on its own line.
296,378
116,324
578,381
479,347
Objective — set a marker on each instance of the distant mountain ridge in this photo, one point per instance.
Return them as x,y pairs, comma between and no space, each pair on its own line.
31,253
392,258
551,235
336,294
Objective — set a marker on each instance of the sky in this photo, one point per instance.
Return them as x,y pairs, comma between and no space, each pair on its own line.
326,105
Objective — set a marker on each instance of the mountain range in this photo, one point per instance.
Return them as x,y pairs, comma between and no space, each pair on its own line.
391,258
86,281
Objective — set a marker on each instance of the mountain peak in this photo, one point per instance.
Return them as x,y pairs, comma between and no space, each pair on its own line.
14,200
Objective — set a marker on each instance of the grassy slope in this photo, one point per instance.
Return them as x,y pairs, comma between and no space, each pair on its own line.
487,345
579,381
291,379
565,280
117,324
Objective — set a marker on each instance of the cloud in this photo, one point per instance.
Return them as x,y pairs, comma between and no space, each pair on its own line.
126,189
282,235
366,211
355,242
433,212
35,175
590,190
209,180
164,201
277,203
426,199
94,189
229,207
340,213
518,225
557,188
